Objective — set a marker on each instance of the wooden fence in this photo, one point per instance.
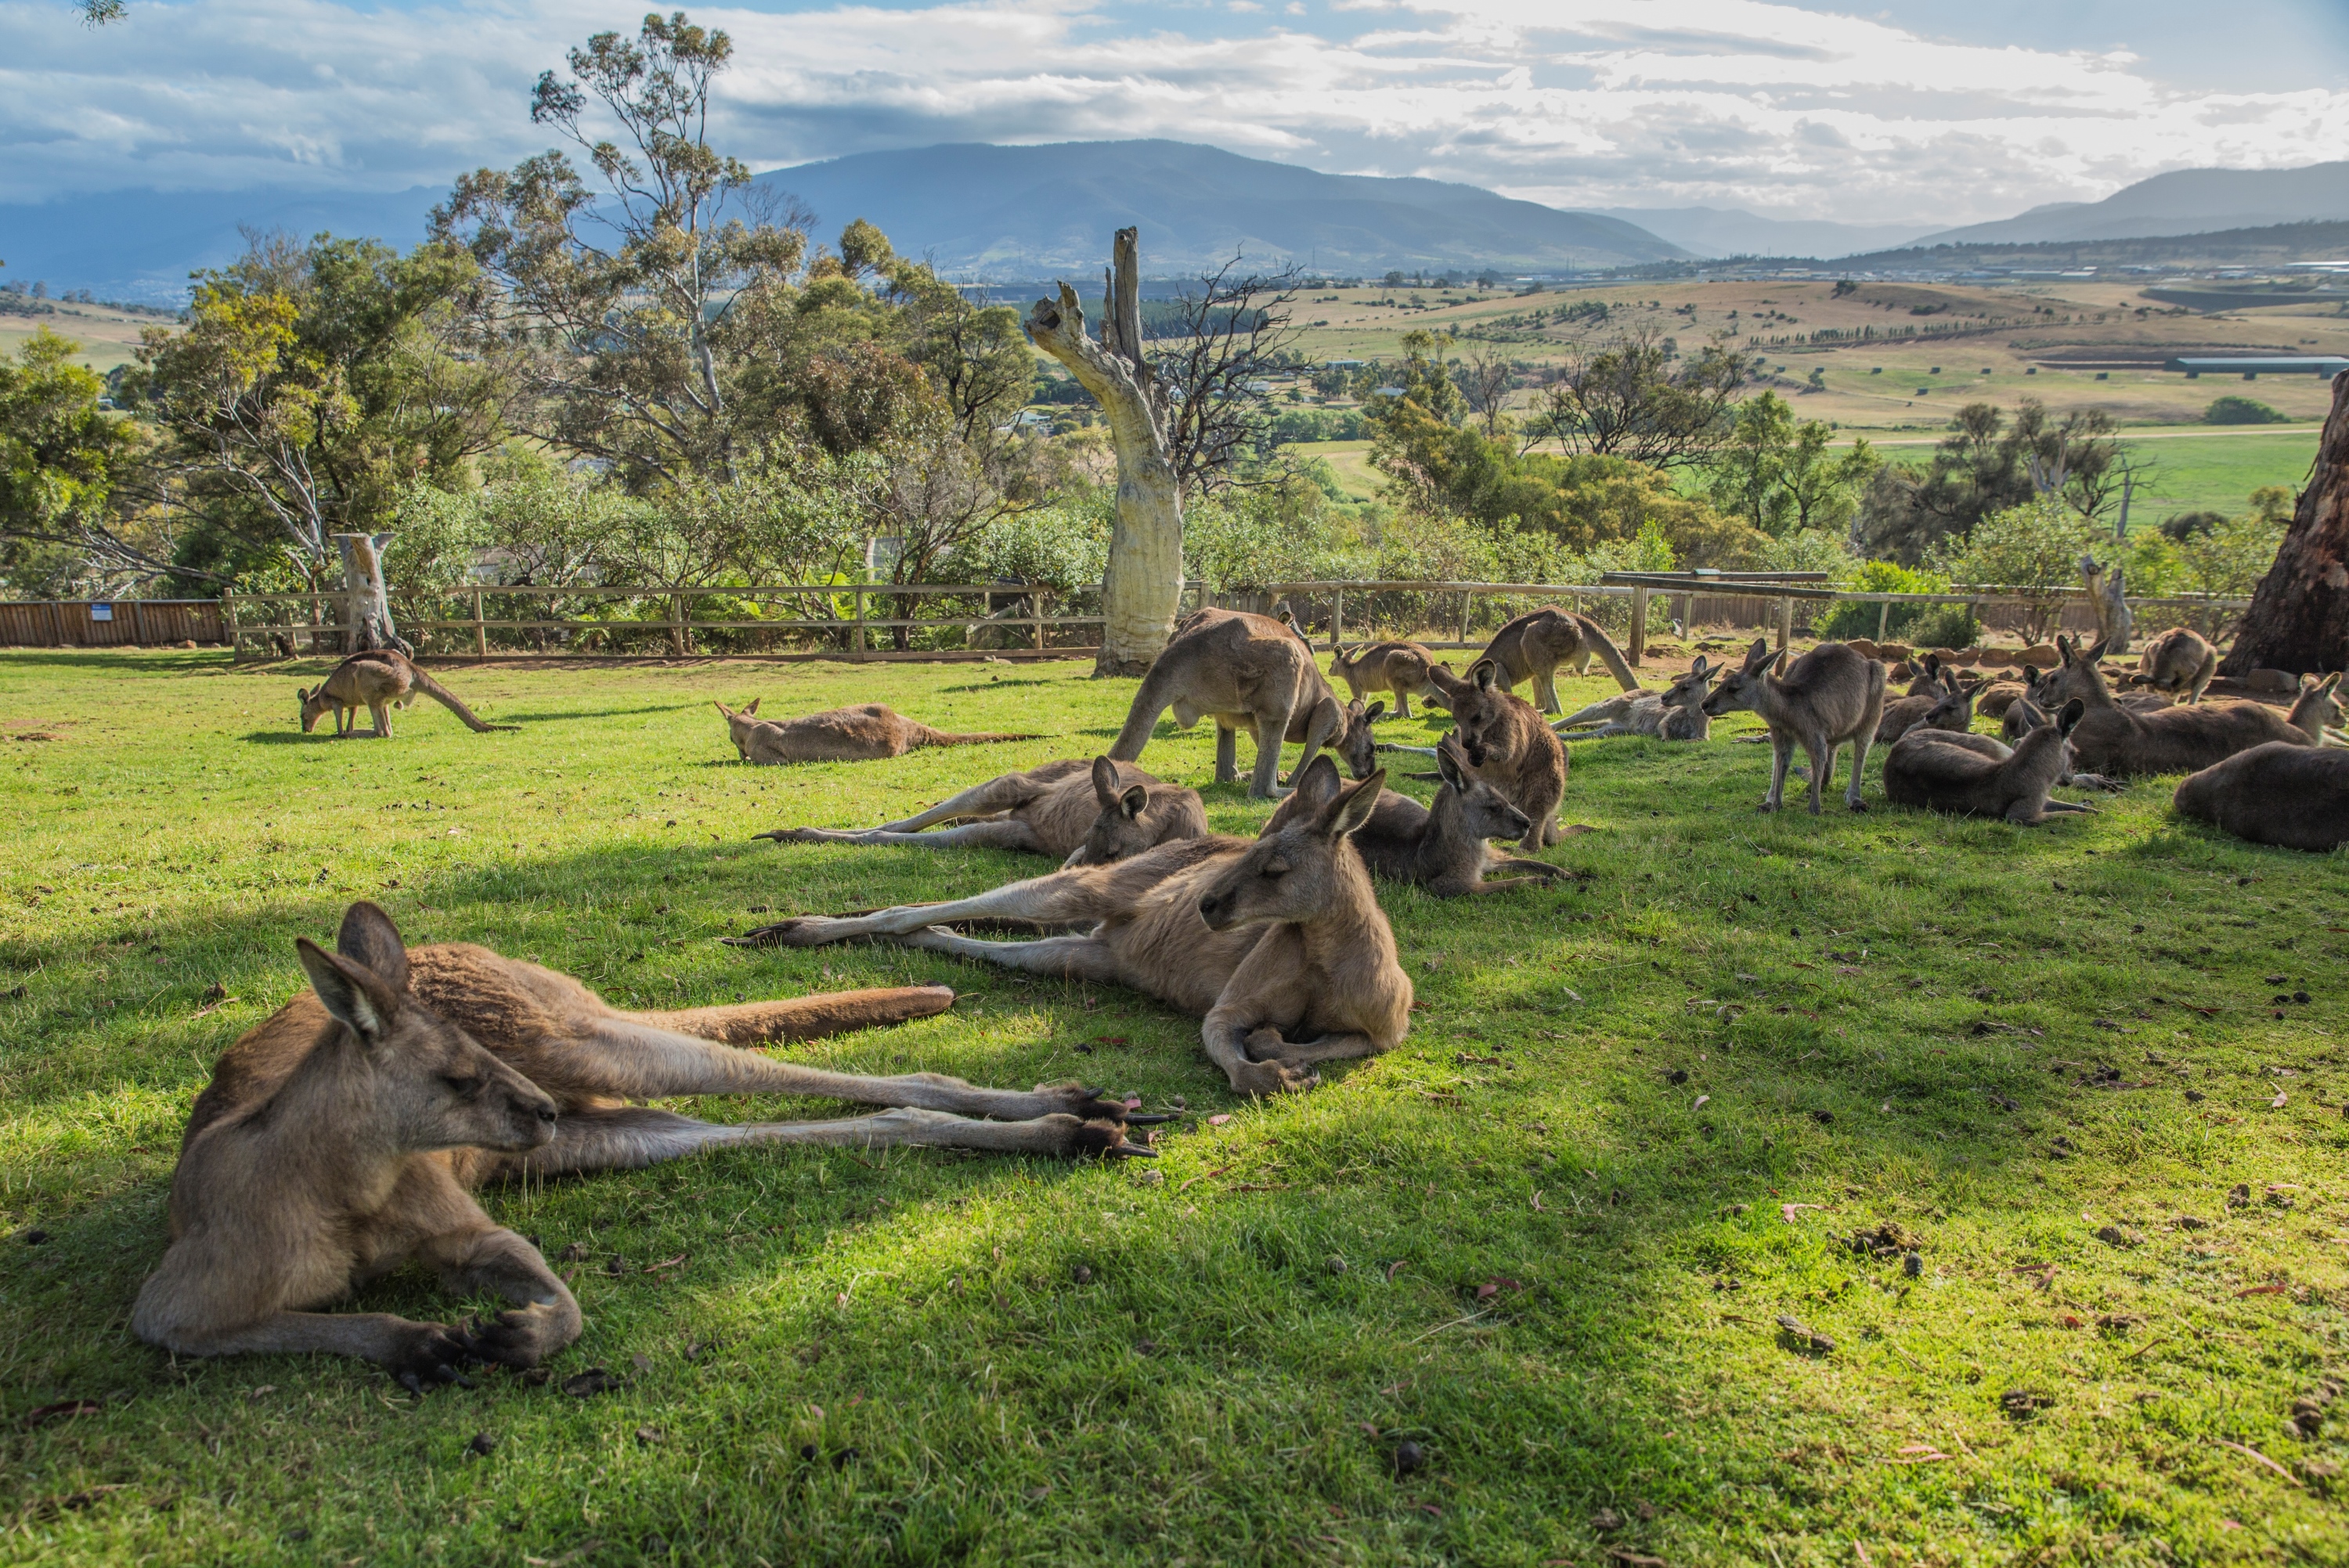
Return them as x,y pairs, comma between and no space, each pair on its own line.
103,623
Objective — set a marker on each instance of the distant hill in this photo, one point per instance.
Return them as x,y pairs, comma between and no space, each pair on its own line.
2183,201
1024,212
2275,246
140,245
1713,232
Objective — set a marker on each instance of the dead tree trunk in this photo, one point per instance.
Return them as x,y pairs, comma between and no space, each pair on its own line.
2115,624
370,606
2299,618
1142,589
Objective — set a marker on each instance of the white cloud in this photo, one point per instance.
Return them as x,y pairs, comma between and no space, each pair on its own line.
1579,102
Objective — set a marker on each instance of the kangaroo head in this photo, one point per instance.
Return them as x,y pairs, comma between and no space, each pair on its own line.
741,724
431,1085
1691,690
314,703
2079,676
1485,811
1743,686
1300,870
1480,712
1357,744
1119,831
2319,706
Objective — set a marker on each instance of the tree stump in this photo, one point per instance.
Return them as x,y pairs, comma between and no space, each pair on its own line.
2299,618
370,605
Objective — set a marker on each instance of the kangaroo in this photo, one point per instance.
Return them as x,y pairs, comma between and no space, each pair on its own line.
865,733
1278,944
1828,697
1245,670
1397,668
1079,813
2121,742
2295,797
1505,741
340,1138
1441,848
2180,660
1535,644
1975,776
2317,711
1950,707
380,680
1675,713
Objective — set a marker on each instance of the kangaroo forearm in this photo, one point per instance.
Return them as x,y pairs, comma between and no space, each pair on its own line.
803,1018
369,1336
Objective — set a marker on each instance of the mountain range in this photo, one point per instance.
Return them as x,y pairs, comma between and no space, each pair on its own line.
984,213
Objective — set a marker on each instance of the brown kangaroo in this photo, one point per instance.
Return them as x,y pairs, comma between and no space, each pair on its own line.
2180,662
1950,706
1442,847
1278,944
1399,668
1975,776
1675,713
1079,813
1828,698
1244,670
338,1138
2115,740
1535,643
1508,745
380,680
2317,711
865,733
2295,797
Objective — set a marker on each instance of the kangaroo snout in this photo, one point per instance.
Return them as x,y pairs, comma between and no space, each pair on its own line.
1216,909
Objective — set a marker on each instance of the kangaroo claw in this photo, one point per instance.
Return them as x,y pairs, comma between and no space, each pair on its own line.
1154,1119
1129,1151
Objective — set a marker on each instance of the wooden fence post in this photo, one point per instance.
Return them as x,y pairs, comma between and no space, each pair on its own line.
480,632
856,635
677,624
1465,598
1785,620
1036,606
1337,620
1639,649
139,623
1883,618
228,625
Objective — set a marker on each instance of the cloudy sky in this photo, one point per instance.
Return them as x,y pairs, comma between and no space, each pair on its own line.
1931,112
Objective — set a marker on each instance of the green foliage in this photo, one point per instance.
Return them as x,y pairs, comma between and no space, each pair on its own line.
2240,410
1944,626
2035,548
60,457
1064,543
1777,473
1810,550
1859,620
1986,465
2210,552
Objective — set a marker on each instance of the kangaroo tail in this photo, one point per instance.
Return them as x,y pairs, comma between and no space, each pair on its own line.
448,699
1596,636
805,1017
942,738
1150,698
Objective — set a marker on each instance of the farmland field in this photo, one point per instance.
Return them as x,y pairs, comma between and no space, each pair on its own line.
2090,1075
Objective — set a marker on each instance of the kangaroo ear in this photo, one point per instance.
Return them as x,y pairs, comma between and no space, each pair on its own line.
1701,668
1779,662
1371,715
1933,665
754,705
2093,655
722,707
354,994
1320,784
1352,809
1756,655
2069,719
1104,781
1486,675
1447,767
2331,684
1133,801
369,937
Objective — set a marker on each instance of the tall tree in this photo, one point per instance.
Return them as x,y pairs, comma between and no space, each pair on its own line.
61,456
2299,618
1779,473
1989,463
1633,397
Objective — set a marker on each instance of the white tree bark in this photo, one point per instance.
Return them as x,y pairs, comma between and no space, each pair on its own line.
370,605
1143,588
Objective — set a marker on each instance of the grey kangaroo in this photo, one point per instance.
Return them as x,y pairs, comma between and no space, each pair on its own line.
1079,813
1828,698
1247,671
2295,797
1442,847
1675,713
1533,646
1975,776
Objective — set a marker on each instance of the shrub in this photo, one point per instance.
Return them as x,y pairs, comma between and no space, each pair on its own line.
1859,620
2243,411
2035,548
1944,626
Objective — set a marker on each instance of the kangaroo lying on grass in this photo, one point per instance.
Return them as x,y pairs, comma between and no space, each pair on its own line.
1441,848
1828,698
1277,943
2115,740
1950,706
2181,662
2295,797
1505,741
380,680
1399,668
1535,644
1246,671
340,1138
1079,813
1975,776
865,733
1675,713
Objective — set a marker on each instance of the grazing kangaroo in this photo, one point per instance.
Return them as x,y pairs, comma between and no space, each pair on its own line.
2295,797
1675,713
2117,741
1535,644
1278,944
340,1138
1829,698
1951,706
1508,745
865,733
1975,776
1079,813
2180,661
1244,670
1399,668
1442,847
380,680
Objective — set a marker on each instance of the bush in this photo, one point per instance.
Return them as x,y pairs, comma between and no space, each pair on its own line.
1859,620
2243,411
1943,627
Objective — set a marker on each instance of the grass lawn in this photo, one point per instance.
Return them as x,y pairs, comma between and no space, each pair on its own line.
2187,469
1548,1240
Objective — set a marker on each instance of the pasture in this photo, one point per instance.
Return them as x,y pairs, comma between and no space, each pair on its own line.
2091,1075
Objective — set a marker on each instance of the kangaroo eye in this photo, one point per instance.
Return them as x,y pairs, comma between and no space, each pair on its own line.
1275,868
467,1087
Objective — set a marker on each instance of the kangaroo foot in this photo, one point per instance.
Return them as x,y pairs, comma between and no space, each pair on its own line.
1261,1079
430,1355
1075,1099
1106,1139
523,1337
800,931
1855,803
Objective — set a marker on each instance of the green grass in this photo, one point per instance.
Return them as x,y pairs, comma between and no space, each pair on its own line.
2191,470
1214,1389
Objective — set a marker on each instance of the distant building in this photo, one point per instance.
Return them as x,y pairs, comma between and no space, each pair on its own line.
2251,366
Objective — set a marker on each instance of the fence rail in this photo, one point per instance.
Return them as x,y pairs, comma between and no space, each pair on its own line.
886,621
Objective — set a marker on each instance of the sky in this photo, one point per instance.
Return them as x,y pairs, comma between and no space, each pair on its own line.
1928,111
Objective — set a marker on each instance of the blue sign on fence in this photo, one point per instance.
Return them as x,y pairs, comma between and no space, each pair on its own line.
102,612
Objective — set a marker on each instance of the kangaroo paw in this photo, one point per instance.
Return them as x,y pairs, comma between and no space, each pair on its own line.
1087,1104
522,1337
429,1355
1107,1138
